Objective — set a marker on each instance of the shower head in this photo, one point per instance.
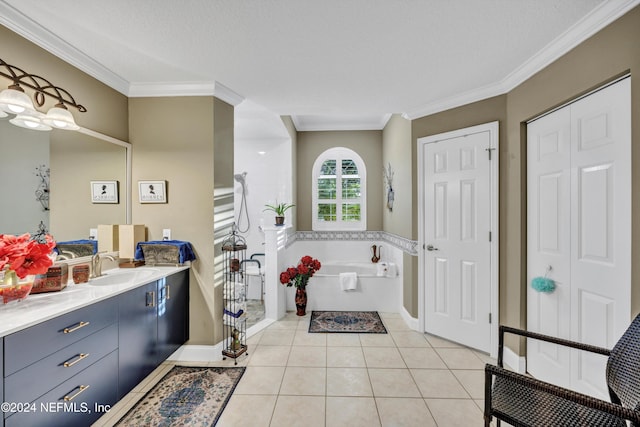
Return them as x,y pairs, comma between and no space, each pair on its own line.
239,177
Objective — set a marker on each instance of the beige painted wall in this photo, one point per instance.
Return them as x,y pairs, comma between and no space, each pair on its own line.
489,110
173,140
396,150
293,134
609,53
107,112
368,145
106,108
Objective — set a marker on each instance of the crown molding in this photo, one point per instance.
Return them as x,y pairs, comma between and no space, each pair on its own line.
30,30
304,123
142,90
597,19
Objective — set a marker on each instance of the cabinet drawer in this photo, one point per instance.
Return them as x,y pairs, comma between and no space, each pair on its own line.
35,380
86,404
32,344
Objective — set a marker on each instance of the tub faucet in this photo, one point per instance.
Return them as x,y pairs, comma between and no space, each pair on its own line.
96,264
375,258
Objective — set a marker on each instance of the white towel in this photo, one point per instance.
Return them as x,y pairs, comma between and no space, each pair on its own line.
348,281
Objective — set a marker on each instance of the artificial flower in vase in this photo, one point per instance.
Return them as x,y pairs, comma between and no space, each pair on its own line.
299,277
21,259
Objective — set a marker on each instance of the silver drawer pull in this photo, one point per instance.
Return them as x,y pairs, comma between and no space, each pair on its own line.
75,328
81,356
168,291
81,389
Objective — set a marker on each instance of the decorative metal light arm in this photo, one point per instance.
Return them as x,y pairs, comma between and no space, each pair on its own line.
41,86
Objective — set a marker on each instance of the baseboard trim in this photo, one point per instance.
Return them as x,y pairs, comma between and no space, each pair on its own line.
411,321
197,353
515,362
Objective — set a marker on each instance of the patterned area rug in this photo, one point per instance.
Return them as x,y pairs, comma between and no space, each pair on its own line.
193,396
361,322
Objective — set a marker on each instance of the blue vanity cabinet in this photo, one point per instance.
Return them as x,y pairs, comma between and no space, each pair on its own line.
173,314
154,322
55,370
137,336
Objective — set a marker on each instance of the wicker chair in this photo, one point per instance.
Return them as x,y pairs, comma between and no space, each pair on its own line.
521,400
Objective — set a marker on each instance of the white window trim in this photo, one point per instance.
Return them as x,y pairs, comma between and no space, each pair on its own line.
339,154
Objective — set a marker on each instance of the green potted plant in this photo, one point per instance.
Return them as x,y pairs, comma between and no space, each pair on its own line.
279,209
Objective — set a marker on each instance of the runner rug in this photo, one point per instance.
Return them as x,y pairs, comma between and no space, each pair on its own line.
361,322
187,395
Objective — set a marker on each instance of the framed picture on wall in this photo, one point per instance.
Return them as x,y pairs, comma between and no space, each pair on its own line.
104,191
152,191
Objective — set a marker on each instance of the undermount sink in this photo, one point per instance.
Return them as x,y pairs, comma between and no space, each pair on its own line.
122,276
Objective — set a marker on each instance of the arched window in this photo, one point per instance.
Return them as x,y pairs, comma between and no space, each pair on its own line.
339,191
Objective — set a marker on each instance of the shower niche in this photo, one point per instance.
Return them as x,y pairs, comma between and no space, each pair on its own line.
234,317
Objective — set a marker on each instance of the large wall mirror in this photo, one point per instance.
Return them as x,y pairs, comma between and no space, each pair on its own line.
74,159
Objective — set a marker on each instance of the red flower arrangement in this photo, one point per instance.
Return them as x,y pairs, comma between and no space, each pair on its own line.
299,276
25,256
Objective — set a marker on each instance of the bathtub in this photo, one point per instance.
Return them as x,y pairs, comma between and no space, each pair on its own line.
379,288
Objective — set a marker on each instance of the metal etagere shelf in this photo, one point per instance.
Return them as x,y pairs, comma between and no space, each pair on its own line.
234,316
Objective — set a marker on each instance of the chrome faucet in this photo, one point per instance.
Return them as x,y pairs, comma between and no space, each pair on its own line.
96,264
65,255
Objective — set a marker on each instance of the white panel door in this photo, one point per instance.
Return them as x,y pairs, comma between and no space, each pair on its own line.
549,243
457,224
600,228
579,223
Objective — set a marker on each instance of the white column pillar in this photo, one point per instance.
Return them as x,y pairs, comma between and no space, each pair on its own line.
275,296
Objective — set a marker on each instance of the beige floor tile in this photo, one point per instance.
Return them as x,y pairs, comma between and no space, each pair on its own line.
460,358
455,412
235,414
278,337
254,339
305,338
393,383
348,382
119,410
299,411
269,355
345,357
286,323
376,340
472,381
389,315
343,340
404,412
425,358
308,356
383,357
438,383
261,380
395,324
299,381
409,339
352,412
485,357
438,342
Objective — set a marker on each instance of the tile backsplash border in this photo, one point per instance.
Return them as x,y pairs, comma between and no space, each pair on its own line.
406,245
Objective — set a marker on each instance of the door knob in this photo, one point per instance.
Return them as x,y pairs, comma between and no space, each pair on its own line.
431,248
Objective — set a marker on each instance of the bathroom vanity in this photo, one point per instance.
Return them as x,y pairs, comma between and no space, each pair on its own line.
69,356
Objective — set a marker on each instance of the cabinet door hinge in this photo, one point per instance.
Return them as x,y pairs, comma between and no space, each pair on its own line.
490,319
490,236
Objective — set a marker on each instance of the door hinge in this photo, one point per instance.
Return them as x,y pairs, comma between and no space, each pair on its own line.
490,236
490,320
489,150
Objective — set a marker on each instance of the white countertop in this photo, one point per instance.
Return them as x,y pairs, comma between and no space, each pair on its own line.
38,308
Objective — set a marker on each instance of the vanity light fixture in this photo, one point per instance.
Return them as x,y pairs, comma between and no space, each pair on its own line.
14,100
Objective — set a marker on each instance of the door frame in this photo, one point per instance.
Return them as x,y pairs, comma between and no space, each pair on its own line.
493,129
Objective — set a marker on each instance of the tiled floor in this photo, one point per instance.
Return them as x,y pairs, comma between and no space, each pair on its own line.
295,378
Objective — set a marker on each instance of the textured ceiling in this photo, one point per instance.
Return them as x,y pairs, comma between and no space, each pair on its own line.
346,62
